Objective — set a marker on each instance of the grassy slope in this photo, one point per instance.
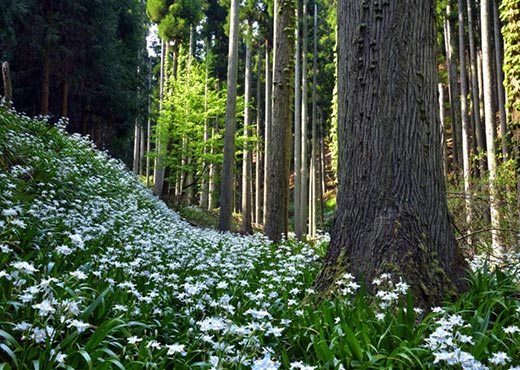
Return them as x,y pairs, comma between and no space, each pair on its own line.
97,273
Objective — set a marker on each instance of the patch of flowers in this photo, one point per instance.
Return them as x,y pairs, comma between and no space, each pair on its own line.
96,272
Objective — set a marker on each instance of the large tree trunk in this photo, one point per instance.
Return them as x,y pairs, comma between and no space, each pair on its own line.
489,114
391,213
204,189
246,162
280,143
65,98
444,145
297,125
226,189
466,139
268,119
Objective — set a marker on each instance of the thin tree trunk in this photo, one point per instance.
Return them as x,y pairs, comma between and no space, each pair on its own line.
141,150
500,82
65,99
466,140
477,128
444,145
268,117
454,93
8,87
297,125
385,222
279,146
136,148
305,120
246,162
205,182
312,182
212,173
45,84
226,191
485,18
160,144
259,162
321,167
149,125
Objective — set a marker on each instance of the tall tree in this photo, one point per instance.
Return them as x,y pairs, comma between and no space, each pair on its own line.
226,190
391,213
466,139
297,125
304,187
489,114
280,143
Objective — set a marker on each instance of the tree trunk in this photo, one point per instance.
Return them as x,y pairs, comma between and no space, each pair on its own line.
8,87
246,162
268,117
477,128
226,190
44,111
499,61
305,121
259,162
160,143
212,174
149,125
65,99
136,148
444,145
312,182
454,93
391,214
489,114
205,183
280,143
466,139
297,125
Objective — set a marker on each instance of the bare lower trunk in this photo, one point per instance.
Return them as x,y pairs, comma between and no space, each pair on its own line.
45,85
280,143
8,88
392,215
268,117
136,148
466,140
490,122
297,126
227,183
304,192
259,162
246,163
312,182
444,145
65,99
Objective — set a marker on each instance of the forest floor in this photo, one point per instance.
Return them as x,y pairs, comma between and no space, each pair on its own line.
97,273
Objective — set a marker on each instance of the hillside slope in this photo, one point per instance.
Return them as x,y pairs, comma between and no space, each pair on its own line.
96,272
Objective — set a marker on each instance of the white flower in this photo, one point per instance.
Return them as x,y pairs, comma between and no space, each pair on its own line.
5,248
380,316
134,340
511,329
24,267
45,308
153,344
77,240
60,358
300,365
175,348
64,250
500,358
265,363
79,325
78,274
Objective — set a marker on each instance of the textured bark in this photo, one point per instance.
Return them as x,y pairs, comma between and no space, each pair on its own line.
205,182
466,139
226,190
8,88
268,119
212,176
304,192
391,211
280,143
149,126
297,125
475,97
246,161
489,113
499,61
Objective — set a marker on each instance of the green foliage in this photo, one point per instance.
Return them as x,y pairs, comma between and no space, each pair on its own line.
128,285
